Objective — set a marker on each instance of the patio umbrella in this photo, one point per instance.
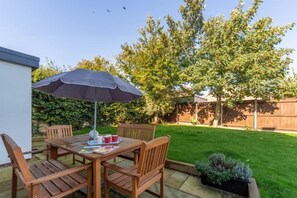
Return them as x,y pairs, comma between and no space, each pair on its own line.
90,86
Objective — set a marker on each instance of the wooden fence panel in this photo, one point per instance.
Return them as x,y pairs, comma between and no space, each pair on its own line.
273,115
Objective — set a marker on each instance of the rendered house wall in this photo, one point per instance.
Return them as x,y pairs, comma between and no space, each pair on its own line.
16,99
15,106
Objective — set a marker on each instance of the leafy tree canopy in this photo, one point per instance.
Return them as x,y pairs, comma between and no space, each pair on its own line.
289,86
155,61
240,57
97,64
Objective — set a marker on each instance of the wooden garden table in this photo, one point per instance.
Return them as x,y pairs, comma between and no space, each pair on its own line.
75,143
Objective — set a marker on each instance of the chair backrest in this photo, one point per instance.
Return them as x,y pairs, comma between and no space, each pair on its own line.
59,131
152,157
16,156
137,131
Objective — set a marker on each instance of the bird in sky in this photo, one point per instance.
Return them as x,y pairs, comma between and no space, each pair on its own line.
108,10
124,8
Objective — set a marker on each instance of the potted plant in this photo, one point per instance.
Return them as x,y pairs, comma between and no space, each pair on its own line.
225,173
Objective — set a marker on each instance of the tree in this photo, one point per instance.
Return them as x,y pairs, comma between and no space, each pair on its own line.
97,64
238,57
289,86
154,63
45,71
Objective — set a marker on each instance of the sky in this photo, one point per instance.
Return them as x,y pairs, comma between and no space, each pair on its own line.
68,31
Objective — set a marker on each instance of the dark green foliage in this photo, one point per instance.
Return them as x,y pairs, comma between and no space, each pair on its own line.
132,112
36,129
220,169
50,110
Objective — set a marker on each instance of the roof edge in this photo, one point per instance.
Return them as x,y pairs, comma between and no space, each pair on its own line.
19,58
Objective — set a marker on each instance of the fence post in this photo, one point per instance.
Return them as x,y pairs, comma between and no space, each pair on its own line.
177,113
196,111
255,113
222,105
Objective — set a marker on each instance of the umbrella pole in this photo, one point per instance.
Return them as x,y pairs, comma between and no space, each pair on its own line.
95,117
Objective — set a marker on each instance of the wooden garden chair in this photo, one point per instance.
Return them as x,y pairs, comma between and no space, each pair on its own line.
144,132
61,131
45,179
135,179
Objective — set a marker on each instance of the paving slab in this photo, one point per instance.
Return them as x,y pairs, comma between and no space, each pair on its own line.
194,186
125,163
169,192
40,156
168,173
5,174
176,180
20,194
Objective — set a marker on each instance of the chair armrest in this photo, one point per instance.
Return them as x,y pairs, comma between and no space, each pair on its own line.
58,174
119,169
35,151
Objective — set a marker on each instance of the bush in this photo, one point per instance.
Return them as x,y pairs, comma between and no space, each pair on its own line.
220,169
193,121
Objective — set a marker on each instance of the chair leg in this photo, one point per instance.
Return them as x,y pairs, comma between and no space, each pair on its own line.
162,185
73,159
47,152
90,181
14,184
105,183
134,188
136,156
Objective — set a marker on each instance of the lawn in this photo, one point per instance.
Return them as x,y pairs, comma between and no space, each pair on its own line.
272,156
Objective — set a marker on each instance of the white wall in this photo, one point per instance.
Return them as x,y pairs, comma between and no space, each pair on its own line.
15,106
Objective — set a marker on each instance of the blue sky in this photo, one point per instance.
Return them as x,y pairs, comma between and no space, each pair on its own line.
71,30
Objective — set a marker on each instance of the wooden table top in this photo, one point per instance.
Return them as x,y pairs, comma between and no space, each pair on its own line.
75,143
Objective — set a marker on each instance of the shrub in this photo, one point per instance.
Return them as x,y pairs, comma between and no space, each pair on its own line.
193,121
220,169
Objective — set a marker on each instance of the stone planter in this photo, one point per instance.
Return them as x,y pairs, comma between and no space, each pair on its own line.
234,186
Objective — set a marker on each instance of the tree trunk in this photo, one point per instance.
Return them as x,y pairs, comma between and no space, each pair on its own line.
177,117
221,114
217,111
196,111
157,119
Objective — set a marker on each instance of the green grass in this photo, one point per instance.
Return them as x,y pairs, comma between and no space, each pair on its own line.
272,156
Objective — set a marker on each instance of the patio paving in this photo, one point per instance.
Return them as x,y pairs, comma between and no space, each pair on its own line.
177,184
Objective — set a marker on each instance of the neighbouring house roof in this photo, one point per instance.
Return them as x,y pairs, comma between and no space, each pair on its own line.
18,58
199,99
190,99
210,98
